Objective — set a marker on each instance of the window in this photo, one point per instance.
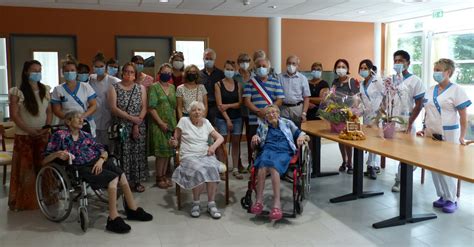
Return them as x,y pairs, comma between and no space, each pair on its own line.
192,49
3,80
412,43
49,67
148,57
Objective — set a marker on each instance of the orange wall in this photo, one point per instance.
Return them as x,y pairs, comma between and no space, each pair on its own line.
327,41
323,41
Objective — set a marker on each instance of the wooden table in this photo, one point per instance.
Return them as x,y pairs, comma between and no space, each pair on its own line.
443,157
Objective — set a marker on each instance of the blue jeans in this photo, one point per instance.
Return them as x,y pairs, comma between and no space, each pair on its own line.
222,126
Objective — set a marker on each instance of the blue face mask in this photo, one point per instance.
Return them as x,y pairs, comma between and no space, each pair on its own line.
261,72
398,67
438,76
112,70
70,76
209,63
35,76
364,73
140,67
83,77
165,77
99,70
316,74
229,73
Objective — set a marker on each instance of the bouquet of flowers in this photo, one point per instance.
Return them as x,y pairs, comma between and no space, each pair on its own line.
338,108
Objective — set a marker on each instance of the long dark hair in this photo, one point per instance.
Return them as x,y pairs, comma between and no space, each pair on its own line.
30,100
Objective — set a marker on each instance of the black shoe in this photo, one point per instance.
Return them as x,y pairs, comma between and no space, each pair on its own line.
138,214
342,168
373,173
350,170
117,225
369,171
378,170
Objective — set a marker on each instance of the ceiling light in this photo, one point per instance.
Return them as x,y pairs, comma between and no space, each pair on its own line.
414,1
273,6
163,1
246,2
361,12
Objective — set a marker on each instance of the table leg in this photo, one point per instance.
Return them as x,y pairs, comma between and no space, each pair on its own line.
406,202
357,181
316,157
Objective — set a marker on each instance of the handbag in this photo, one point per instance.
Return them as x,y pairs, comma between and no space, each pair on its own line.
116,131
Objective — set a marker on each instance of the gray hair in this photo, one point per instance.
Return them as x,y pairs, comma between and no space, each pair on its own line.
257,61
70,115
295,57
195,104
209,50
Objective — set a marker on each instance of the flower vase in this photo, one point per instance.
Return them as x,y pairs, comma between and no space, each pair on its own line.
337,127
389,130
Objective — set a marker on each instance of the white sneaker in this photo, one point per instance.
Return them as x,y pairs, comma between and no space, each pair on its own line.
396,187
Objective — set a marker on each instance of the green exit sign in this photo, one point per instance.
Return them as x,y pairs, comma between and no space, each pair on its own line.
437,14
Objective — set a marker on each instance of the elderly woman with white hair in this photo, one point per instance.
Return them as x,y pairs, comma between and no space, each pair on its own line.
198,167
278,139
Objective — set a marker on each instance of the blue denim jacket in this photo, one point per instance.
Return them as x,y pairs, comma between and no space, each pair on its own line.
288,128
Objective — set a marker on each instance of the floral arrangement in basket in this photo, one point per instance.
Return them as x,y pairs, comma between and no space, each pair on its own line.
392,104
338,109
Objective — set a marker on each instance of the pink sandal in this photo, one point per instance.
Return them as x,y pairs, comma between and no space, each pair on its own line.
276,214
256,208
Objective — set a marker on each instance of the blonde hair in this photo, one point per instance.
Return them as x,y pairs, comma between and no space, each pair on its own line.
68,60
187,69
447,64
163,66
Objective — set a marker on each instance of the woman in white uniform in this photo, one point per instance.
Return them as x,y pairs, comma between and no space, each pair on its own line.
371,89
446,119
73,95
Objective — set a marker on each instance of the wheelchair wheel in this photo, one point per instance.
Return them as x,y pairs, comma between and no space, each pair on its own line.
306,171
246,201
54,192
83,218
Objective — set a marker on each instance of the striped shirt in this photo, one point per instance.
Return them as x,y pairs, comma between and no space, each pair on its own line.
273,89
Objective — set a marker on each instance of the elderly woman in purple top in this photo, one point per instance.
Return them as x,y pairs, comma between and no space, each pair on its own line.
91,160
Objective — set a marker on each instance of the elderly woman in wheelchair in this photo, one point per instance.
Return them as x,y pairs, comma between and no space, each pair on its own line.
91,159
198,167
276,138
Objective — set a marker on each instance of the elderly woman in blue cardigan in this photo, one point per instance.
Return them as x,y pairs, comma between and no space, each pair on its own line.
278,139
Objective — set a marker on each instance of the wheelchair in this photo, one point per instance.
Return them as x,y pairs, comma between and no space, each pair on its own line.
300,178
59,186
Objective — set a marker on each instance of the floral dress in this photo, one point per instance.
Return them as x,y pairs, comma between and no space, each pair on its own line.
132,151
165,106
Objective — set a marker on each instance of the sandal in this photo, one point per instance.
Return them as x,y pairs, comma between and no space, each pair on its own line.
138,188
213,211
276,214
196,210
257,208
342,168
161,183
236,174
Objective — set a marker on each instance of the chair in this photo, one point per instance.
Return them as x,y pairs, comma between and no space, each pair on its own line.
226,178
5,156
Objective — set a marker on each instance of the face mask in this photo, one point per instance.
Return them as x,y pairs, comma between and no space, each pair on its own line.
291,69
398,67
229,73
364,73
244,66
70,76
140,67
35,76
99,70
262,71
438,76
316,74
165,77
112,70
83,77
191,77
178,64
341,72
209,63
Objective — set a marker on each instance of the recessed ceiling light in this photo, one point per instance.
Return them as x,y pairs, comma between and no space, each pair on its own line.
414,1
361,12
273,6
163,1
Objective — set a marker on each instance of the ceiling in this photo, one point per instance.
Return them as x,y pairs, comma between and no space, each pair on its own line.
342,10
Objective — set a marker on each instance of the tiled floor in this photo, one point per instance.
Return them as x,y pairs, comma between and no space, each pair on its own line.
321,224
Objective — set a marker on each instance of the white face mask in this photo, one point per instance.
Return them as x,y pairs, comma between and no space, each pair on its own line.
341,71
316,74
178,64
291,69
244,66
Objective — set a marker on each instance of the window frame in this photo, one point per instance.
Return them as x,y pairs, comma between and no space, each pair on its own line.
59,69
